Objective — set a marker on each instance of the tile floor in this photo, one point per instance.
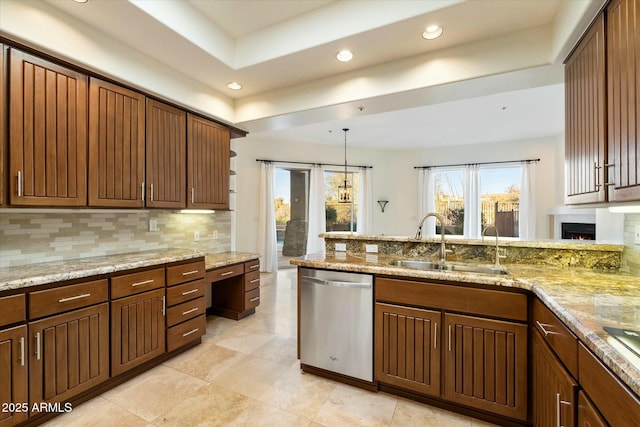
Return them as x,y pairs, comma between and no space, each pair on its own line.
246,374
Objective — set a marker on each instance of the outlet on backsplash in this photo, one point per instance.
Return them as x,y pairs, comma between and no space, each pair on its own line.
215,234
196,236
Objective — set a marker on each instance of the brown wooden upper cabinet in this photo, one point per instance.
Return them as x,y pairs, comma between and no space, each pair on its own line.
116,146
3,123
623,97
166,152
47,133
208,150
585,115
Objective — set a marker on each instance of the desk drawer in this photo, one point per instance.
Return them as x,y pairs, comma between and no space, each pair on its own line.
185,272
225,272
65,298
252,299
13,309
185,332
185,292
251,266
185,311
251,281
559,338
135,283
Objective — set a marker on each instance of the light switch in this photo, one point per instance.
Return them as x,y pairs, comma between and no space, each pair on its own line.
636,234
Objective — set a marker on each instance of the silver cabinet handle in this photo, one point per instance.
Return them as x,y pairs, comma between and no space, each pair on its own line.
192,291
144,282
193,195
254,299
21,351
449,337
164,306
19,183
184,313
542,326
74,298
151,191
254,281
187,273
142,191
193,331
596,175
226,273
435,335
38,346
558,424
254,266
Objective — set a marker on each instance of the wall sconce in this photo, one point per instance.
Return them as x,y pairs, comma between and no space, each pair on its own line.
383,204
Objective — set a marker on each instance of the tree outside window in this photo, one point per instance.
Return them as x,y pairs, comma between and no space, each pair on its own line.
340,216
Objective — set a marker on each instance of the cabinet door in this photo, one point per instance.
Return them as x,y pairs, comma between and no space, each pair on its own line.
137,330
208,151
588,415
407,349
623,77
3,123
48,133
485,364
554,390
13,375
68,353
166,154
116,146
585,125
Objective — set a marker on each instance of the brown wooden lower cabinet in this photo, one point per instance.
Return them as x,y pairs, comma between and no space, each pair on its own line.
588,415
554,389
235,289
407,348
137,330
13,376
68,353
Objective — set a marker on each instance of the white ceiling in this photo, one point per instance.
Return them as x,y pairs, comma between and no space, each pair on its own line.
283,54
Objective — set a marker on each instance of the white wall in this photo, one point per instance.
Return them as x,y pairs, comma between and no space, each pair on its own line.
394,177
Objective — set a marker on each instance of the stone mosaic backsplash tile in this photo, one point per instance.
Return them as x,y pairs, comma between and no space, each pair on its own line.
631,253
41,236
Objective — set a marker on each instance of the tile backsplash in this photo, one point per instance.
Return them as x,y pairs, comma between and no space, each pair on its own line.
631,254
42,236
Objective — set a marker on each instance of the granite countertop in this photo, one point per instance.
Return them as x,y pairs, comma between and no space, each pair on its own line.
585,300
218,260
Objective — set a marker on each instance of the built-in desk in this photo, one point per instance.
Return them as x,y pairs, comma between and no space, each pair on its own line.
235,284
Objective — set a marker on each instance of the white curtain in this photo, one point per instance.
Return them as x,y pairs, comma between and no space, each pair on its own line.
317,215
472,206
427,200
267,243
527,221
365,202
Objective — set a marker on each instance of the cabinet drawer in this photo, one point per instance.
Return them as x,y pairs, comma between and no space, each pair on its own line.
560,339
185,311
185,292
225,272
251,281
252,299
251,266
185,272
135,283
13,309
487,302
186,332
65,298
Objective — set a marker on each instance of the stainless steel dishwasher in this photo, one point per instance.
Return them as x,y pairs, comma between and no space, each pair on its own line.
336,322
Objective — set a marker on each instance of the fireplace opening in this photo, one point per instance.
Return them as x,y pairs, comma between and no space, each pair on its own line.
578,231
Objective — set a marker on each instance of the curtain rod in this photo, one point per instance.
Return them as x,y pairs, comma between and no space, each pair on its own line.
476,164
312,163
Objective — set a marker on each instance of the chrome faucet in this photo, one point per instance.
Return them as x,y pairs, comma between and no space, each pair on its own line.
498,256
443,248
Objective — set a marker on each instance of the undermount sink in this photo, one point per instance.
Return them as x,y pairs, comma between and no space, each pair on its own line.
449,266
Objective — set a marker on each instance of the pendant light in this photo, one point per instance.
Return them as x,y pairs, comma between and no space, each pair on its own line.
344,190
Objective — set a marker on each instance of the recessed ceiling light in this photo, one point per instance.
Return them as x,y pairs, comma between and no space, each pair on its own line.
234,85
80,1
344,55
432,32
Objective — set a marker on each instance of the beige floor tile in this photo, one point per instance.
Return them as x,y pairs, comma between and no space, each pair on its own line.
210,406
281,350
260,414
155,392
351,406
251,376
410,414
299,393
243,340
205,361
97,412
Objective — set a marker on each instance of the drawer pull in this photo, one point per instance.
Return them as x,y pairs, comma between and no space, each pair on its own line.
192,291
38,346
144,282
74,298
254,266
254,299
187,273
254,281
542,326
193,331
226,273
21,351
184,313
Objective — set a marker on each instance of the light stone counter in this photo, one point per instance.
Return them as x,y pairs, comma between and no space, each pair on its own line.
227,258
584,299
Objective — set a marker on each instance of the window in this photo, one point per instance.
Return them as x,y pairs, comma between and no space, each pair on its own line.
340,216
500,198
450,200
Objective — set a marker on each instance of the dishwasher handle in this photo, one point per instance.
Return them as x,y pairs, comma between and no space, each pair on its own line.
335,283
